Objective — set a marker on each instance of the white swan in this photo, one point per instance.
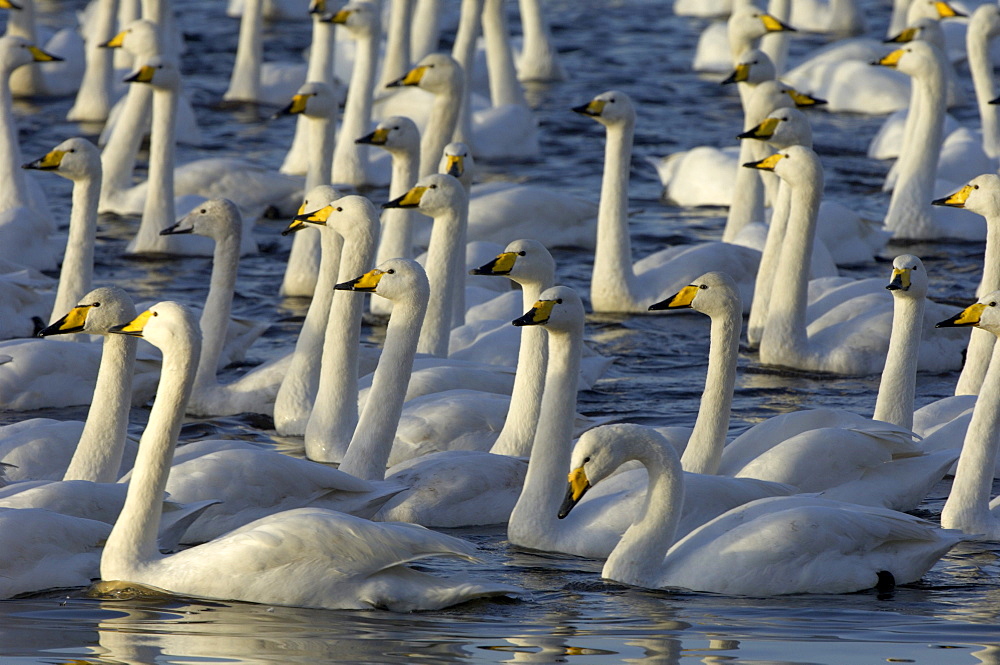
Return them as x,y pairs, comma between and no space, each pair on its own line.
353,564
774,546
253,80
33,81
849,339
538,59
722,42
968,506
617,285
95,94
984,27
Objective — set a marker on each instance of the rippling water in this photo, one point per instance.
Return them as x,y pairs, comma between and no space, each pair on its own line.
569,614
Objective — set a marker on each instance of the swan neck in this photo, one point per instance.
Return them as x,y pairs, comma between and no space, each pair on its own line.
977,41
396,238
15,194
504,86
244,83
977,355
218,306
446,247
322,54
613,272
119,154
396,60
349,158
321,144
896,390
441,125
769,257
77,270
158,211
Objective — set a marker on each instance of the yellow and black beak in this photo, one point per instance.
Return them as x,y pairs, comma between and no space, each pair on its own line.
891,60
501,265
49,162
802,100
296,106
379,137
412,77
410,199
7,4
766,164
763,131
593,108
43,56
455,166
538,315
956,200
900,280
945,10
142,75
179,228
771,24
316,217
367,283
904,37
134,327
967,317
71,323
317,6
115,42
340,18
578,486
680,300
739,75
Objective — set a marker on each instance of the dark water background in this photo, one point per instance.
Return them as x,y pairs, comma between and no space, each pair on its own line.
569,615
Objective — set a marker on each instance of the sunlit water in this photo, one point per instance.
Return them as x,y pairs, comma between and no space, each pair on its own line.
568,613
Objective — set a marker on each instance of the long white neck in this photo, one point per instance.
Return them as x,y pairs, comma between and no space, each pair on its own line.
218,307
769,258
894,403
322,53
638,557
464,52
244,83
133,539
29,79
98,455
518,431
775,44
446,243
533,522
94,98
13,184
539,59
320,147
977,355
335,414
910,206
78,263
747,206
785,331
369,451
426,29
122,146
968,507
977,43
158,210
349,158
704,450
396,239
297,393
613,278
396,60
440,127
504,86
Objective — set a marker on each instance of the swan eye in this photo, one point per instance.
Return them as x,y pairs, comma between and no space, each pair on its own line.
96,304
703,286
521,253
390,271
973,187
339,209
433,187
156,313
559,301
202,211
396,128
993,304
586,459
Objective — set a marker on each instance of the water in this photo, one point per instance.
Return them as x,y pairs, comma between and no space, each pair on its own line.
568,614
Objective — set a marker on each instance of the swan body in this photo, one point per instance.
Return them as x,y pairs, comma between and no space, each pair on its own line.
353,563
773,546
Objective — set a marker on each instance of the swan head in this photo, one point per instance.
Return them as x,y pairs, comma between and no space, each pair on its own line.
603,449
523,261
217,219
984,313
713,293
360,18
166,324
796,165
932,9
436,73
397,280
75,159
914,59
749,23
396,134
17,51
558,309
456,161
348,216
432,195
908,278
754,67
981,195
782,128
609,108
317,198
926,29
158,72
314,99
141,38
97,312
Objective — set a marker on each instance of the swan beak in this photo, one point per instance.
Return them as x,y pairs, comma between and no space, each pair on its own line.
178,228
945,10
340,18
135,326
115,42
297,105
956,200
317,6
763,131
7,4
900,280
890,60
43,56
365,284
71,323
455,166
907,35
766,164
49,162
740,74
501,265
680,300
967,317
316,217
593,108
412,77
578,486
411,199
995,101
772,24
379,137
538,315
143,75
802,100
